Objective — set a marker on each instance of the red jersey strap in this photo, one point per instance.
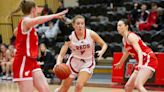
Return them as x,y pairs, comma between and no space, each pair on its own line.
132,33
128,34
20,23
127,41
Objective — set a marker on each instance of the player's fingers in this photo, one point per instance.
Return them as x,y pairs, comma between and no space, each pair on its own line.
97,51
65,11
115,67
56,66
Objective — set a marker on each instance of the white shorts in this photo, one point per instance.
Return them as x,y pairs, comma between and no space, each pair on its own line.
77,65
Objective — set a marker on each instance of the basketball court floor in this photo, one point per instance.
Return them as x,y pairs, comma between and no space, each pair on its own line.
8,86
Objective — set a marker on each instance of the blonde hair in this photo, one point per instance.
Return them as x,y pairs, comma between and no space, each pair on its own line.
77,17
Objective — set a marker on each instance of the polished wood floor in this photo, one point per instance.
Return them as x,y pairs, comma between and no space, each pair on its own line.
8,86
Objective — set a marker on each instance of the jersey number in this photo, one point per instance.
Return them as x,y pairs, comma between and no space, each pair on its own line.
82,52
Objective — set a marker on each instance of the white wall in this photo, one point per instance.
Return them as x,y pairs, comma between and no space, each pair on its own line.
70,3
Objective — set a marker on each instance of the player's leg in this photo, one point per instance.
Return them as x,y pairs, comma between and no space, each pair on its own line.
26,86
22,74
7,68
11,68
82,79
39,81
143,75
3,66
129,86
65,85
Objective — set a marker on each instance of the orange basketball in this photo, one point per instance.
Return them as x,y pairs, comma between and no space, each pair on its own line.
62,71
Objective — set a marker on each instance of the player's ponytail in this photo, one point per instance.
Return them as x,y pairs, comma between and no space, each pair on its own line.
25,6
16,10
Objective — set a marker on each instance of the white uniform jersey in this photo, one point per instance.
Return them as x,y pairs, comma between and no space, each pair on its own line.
82,49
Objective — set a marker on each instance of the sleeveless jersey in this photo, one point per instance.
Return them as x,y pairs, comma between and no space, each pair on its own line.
145,49
83,49
26,43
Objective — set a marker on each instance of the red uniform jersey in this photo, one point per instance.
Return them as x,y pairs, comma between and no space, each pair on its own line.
149,58
26,53
26,43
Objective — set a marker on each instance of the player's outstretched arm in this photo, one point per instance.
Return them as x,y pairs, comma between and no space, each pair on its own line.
30,22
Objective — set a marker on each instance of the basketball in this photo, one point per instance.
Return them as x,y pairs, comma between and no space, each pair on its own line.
62,71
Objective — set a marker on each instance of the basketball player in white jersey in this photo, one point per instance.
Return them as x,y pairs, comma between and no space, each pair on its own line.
81,61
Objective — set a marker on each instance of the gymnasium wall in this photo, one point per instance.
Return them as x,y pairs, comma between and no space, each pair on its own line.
70,3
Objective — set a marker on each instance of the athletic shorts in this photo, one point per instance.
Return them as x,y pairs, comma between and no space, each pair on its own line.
23,67
78,65
150,61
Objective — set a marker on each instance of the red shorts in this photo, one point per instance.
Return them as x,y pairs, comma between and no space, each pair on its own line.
23,67
150,61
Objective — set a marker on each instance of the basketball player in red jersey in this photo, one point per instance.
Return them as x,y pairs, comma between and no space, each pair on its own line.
81,61
26,71
147,61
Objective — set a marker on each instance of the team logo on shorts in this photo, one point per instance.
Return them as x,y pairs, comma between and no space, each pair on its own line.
130,68
27,73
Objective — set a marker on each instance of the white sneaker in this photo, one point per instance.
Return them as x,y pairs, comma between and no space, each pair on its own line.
9,78
4,77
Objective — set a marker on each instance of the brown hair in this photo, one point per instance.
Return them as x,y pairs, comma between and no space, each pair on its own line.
76,17
25,6
127,23
154,4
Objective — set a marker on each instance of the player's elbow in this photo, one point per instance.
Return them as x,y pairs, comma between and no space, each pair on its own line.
105,46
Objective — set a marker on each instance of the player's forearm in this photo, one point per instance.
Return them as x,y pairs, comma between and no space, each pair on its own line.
140,57
43,19
104,47
62,53
124,57
59,59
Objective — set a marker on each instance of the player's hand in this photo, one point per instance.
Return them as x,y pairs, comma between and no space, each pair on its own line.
61,14
138,67
40,63
56,65
118,65
99,54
